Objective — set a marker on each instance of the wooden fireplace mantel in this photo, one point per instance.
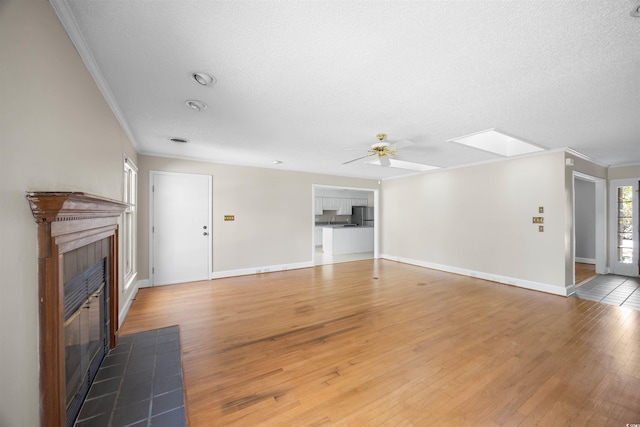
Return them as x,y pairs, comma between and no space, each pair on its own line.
65,206
67,221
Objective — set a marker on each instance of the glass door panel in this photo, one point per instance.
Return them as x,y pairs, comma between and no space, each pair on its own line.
624,227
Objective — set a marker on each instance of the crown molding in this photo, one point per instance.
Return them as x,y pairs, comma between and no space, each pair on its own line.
624,165
578,154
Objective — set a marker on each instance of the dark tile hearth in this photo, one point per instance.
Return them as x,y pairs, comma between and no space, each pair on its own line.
611,289
138,384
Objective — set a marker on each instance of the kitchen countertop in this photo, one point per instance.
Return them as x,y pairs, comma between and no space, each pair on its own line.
343,226
340,225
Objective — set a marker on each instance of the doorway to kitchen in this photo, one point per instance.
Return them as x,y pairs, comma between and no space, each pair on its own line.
345,226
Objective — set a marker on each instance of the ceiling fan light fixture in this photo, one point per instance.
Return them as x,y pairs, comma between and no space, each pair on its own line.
194,104
203,79
382,149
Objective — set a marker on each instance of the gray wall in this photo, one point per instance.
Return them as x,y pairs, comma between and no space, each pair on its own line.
56,133
585,215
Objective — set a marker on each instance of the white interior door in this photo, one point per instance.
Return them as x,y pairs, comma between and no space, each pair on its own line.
180,227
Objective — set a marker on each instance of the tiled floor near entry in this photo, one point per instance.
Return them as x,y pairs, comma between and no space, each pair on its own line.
139,383
614,290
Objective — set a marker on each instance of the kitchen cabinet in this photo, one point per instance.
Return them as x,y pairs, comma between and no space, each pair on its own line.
347,240
330,203
318,205
344,207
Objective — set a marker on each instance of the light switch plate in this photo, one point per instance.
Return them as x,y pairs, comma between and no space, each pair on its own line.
538,220
229,217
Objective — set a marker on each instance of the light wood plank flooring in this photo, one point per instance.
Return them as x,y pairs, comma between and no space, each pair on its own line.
584,272
375,342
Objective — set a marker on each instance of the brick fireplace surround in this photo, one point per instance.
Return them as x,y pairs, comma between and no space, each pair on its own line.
65,222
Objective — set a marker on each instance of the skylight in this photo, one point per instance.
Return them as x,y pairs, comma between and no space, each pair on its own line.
401,164
497,142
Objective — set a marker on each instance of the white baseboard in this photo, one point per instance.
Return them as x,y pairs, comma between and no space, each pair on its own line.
260,270
527,284
586,260
125,308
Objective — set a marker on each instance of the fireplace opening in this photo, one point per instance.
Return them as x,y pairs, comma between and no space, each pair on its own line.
85,333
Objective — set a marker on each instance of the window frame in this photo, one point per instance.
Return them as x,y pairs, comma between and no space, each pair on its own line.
129,224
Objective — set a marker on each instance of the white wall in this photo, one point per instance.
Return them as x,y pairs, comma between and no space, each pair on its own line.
274,217
56,133
585,214
479,220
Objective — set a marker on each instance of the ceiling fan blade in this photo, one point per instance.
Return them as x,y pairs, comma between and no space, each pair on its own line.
384,161
400,144
355,160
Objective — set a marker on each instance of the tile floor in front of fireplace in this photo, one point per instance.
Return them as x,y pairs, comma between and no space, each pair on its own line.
138,384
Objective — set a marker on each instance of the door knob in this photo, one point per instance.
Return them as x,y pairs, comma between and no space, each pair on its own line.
205,234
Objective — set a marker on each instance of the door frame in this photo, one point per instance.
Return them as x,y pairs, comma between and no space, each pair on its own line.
601,221
633,269
376,215
152,174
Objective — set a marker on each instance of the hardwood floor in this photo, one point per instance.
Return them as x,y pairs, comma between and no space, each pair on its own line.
374,342
584,272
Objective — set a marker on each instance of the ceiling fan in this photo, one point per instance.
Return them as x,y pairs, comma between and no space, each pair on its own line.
383,150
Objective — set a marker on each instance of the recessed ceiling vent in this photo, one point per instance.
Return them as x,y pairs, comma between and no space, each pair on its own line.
179,140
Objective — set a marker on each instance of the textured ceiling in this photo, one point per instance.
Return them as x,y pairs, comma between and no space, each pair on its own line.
302,81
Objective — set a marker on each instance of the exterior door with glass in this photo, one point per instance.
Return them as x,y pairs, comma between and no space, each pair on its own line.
625,209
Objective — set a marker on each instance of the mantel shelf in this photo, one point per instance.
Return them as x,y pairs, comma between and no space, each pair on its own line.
48,206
